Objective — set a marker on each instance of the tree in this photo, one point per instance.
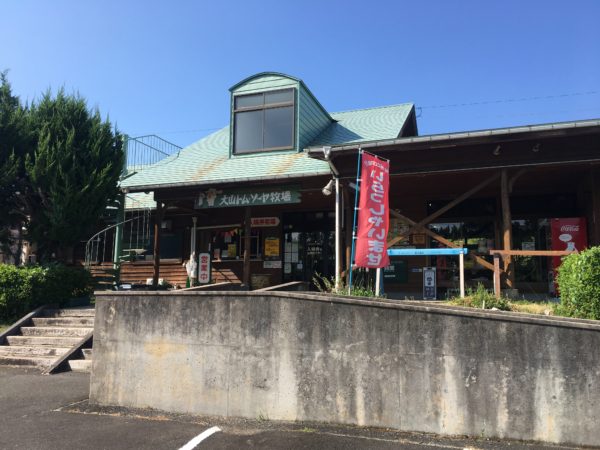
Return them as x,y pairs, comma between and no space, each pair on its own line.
72,172
15,140
60,164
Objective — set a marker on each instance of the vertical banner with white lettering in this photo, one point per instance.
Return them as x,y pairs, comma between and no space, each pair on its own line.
373,213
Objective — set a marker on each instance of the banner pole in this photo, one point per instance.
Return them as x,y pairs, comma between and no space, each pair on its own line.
360,151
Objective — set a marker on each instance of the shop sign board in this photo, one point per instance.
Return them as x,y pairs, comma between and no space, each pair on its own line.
213,198
396,272
204,268
429,283
373,213
257,222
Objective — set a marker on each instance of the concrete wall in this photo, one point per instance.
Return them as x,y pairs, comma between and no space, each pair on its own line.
296,356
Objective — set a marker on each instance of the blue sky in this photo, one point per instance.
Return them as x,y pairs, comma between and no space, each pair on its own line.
165,67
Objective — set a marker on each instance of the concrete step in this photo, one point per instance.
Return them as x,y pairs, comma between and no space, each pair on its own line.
76,322
27,350
55,331
80,365
49,341
87,353
29,361
71,312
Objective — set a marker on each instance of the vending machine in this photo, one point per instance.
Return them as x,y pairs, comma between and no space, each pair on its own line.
566,234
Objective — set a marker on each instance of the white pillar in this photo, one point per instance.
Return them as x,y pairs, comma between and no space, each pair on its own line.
338,235
461,263
377,282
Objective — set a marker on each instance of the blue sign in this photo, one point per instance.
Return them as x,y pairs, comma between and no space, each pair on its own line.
427,251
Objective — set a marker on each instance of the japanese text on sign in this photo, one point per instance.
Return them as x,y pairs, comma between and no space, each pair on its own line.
227,199
204,265
373,213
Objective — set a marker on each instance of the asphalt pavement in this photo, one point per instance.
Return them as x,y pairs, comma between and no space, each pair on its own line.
48,412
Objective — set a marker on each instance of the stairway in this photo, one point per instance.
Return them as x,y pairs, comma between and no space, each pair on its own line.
47,337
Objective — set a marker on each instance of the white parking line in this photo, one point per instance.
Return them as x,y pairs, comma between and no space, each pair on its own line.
194,442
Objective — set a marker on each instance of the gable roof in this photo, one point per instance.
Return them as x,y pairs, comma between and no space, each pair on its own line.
207,161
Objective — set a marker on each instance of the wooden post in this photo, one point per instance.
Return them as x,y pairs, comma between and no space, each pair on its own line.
506,229
157,223
497,275
247,244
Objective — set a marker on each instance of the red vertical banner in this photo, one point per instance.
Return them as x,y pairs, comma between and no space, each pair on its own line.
373,213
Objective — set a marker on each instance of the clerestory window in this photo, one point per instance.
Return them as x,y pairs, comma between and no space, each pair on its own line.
263,122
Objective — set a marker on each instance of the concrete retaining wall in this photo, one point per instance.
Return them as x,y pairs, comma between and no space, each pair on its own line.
295,356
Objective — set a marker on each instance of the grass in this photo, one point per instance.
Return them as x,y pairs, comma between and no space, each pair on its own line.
4,326
483,299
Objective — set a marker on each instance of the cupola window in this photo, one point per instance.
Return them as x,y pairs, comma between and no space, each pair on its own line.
263,122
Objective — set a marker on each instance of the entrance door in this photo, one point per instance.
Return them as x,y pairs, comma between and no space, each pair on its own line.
309,241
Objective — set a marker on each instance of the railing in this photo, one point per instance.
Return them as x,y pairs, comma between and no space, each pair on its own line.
135,236
497,254
143,151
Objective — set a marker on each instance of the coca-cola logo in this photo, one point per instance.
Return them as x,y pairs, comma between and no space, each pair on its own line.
565,228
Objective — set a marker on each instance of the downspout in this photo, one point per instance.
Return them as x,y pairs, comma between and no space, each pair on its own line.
338,228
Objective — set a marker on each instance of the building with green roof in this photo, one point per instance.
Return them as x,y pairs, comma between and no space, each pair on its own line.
251,197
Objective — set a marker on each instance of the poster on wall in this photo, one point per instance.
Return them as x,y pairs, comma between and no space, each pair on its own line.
373,213
567,234
272,247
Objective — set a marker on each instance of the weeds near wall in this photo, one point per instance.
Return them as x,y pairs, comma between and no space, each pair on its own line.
362,288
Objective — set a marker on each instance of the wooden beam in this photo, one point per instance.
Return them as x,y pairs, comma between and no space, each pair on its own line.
247,244
506,228
441,211
505,253
442,240
513,179
157,223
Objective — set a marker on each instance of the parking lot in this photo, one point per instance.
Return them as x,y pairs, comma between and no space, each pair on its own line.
51,412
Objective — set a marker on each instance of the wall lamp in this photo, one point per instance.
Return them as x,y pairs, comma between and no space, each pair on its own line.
328,188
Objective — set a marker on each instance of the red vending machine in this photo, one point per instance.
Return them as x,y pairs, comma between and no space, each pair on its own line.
567,234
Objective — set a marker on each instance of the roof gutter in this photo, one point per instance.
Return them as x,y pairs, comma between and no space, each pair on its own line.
453,139
151,187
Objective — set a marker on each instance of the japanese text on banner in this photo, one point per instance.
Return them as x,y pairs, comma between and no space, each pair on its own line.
373,213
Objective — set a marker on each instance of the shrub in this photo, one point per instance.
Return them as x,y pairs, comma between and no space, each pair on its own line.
481,298
579,285
23,289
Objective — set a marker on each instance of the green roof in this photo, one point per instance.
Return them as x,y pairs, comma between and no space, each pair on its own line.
207,161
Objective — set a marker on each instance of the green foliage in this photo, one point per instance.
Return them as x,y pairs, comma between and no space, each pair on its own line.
481,298
579,284
59,167
15,139
23,289
327,285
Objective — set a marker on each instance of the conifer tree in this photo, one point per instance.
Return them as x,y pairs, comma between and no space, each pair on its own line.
60,164
72,171
15,140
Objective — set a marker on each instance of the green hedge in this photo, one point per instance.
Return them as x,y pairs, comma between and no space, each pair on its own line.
23,289
579,284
